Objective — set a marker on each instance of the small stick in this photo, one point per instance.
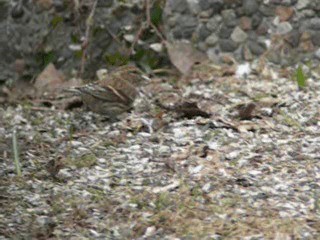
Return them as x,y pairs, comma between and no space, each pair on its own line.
44,109
15,153
145,25
85,44
148,7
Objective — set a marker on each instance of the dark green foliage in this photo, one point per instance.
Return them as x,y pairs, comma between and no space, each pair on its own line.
44,58
56,21
146,57
116,59
156,13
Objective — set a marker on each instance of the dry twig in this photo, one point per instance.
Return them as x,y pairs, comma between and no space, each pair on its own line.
146,25
85,44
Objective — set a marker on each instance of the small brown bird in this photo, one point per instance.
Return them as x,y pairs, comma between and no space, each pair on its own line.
114,93
53,166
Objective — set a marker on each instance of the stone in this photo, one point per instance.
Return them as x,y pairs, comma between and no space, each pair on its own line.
59,5
315,23
227,45
274,57
179,6
256,20
316,5
185,27
284,13
315,38
204,5
225,31
279,2
306,13
172,21
245,23
301,4
212,40
238,35
317,54
213,23
203,32
284,28
250,7
263,28
206,14
216,5
232,3
256,48
229,17
214,54
157,47
293,38
239,11
202,46
267,10
186,33
4,11
194,6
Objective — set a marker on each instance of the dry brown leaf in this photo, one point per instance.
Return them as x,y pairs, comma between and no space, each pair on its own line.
185,109
183,55
191,110
49,81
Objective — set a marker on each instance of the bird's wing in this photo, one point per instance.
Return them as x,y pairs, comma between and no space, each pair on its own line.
105,93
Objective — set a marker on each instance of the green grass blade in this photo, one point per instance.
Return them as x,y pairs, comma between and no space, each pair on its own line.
301,78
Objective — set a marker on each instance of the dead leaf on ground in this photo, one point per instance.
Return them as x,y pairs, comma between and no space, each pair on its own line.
50,82
183,55
264,107
49,87
186,109
191,110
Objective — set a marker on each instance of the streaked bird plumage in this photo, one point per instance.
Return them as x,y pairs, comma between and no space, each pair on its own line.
114,93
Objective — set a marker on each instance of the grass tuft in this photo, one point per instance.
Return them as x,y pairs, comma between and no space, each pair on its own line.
301,78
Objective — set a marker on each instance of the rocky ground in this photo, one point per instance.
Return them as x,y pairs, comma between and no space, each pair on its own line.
251,169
